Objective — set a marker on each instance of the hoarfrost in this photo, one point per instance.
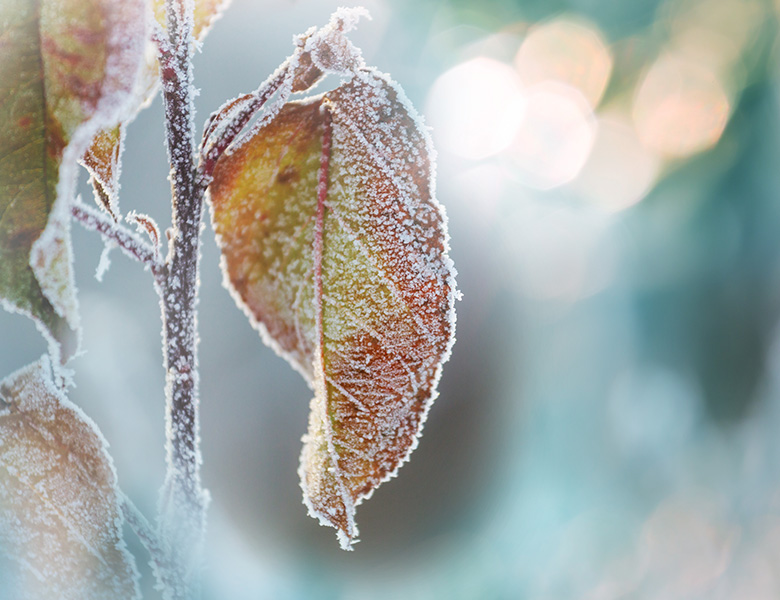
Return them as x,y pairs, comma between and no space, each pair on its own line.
330,48
59,511
105,261
334,245
71,112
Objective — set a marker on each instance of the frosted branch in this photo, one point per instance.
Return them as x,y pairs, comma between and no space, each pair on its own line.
160,38
130,243
159,552
183,500
224,125
143,529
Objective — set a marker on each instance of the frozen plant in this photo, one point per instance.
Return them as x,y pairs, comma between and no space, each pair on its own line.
332,243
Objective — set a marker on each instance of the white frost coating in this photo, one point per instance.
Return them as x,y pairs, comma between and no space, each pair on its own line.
51,256
59,510
371,138
105,261
330,51
144,224
330,48
269,111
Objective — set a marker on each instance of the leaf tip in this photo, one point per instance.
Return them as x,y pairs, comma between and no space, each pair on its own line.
324,494
331,50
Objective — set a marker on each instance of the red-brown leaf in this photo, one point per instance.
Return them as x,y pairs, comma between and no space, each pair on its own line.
335,246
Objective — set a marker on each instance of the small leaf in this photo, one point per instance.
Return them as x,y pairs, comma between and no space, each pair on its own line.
59,514
65,69
102,160
335,246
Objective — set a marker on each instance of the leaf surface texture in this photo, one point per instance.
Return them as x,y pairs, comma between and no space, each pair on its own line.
335,246
59,516
67,66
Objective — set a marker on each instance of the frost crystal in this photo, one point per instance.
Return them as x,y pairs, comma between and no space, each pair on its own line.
330,48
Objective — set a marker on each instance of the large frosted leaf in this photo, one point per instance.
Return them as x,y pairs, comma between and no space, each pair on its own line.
103,158
59,515
66,67
333,243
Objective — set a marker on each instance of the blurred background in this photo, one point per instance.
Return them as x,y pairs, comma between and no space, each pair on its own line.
609,423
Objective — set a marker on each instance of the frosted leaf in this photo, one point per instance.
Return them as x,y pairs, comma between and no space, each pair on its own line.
334,245
146,225
102,160
58,84
59,515
330,48
317,52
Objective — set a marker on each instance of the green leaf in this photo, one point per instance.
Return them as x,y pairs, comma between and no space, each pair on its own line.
336,248
67,67
59,514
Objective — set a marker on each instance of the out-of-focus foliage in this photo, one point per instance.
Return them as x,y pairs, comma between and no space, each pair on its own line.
58,83
607,425
59,512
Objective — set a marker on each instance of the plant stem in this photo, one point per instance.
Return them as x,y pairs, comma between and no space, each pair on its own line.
127,241
183,501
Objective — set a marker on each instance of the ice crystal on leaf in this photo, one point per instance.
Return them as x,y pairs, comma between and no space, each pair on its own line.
59,514
335,246
102,160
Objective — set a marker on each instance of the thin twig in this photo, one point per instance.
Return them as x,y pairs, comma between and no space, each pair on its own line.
159,552
223,126
143,529
130,243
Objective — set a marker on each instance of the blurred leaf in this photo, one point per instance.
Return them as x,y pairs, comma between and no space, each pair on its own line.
336,248
59,515
66,65
103,158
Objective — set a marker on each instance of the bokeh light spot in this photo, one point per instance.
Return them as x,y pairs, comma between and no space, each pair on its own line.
620,170
555,138
685,547
680,107
569,51
475,108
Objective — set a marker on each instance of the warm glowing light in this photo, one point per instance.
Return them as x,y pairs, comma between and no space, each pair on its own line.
555,138
620,170
680,107
476,108
569,51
